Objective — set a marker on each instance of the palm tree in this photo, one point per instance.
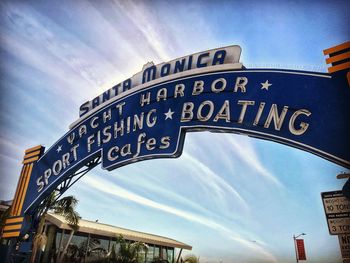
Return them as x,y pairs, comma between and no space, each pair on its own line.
65,207
128,252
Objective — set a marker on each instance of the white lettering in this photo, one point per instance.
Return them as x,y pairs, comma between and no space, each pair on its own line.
222,85
303,126
187,112
224,112
198,87
241,82
210,112
277,120
245,104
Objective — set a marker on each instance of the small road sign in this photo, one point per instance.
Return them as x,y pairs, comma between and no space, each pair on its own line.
337,209
344,243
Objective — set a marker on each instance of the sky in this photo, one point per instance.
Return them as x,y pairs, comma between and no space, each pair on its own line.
231,197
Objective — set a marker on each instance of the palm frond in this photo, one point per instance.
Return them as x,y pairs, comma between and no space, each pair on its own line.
65,203
66,207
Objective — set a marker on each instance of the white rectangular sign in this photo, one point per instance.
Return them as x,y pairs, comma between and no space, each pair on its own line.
337,204
337,210
344,243
339,225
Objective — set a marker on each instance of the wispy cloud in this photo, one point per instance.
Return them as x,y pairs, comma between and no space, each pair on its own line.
138,14
44,44
245,150
254,246
151,184
211,180
10,146
114,190
41,31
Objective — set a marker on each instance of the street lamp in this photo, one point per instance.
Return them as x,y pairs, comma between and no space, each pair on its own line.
343,175
346,187
295,245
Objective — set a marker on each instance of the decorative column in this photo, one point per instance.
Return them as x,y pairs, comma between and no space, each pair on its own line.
14,222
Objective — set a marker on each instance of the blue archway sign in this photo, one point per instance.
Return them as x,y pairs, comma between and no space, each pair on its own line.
301,109
305,110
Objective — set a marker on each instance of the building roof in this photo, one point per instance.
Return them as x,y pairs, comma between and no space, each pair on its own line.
3,208
4,205
86,226
8,202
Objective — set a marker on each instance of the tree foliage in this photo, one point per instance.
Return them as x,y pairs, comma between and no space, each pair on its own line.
65,207
129,252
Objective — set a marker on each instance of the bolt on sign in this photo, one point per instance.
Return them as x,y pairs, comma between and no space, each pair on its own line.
301,249
148,115
337,210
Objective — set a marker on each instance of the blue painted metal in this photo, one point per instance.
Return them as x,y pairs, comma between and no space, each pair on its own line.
325,96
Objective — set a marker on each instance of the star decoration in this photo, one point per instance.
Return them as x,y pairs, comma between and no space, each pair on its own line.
265,85
59,148
169,114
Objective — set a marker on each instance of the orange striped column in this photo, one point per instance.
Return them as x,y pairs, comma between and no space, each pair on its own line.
339,57
14,223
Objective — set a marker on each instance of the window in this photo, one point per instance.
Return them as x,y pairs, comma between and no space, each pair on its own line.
150,253
76,248
164,253
156,252
115,244
97,249
170,254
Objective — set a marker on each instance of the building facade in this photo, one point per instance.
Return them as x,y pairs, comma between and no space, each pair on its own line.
94,242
